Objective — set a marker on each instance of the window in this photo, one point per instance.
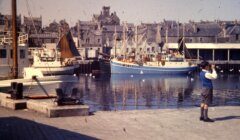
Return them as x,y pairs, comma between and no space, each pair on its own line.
47,41
22,54
237,36
87,40
153,49
3,53
200,39
148,49
98,40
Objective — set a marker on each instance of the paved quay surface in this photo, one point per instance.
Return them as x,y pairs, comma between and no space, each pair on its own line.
161,124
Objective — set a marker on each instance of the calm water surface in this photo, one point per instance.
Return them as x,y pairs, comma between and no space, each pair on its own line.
133,92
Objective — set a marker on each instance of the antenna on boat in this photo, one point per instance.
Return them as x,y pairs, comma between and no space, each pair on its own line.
14,36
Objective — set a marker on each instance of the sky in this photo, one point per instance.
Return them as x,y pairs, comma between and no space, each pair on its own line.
132,11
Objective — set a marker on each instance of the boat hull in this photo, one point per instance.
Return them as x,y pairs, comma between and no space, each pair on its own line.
41,80
57,70
119,68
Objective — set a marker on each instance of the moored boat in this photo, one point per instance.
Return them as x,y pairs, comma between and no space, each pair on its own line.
57,59
32,76
138,59
161,67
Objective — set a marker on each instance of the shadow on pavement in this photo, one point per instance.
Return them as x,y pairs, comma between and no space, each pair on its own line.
14,128
226,118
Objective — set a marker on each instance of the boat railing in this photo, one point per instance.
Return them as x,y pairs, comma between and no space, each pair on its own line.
47,59
22,39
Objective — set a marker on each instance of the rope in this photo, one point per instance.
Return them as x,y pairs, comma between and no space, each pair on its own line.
30,87
30,14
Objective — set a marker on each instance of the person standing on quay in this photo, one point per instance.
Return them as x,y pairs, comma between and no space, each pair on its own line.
206,76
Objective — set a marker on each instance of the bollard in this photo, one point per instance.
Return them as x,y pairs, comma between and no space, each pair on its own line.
17,90
20,91
60,96
13,90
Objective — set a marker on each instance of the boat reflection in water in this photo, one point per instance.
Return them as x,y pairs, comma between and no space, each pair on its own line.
151,91
129,92
126,92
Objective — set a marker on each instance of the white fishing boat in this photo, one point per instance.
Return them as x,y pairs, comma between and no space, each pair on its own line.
58,59
34,76
14,58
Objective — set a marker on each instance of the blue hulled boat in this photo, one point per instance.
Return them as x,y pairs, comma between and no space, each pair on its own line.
162,67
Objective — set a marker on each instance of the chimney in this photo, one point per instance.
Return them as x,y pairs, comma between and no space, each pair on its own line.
195,27
224,30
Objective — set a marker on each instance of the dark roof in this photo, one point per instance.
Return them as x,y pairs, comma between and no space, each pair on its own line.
233,30
206,30
111,28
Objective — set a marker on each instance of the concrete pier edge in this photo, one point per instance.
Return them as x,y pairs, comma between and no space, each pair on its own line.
44,106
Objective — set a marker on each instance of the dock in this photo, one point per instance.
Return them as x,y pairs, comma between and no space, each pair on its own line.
7,102
47,107
165,124
50,109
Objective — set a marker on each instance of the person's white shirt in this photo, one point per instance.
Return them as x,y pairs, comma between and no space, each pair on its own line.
210,75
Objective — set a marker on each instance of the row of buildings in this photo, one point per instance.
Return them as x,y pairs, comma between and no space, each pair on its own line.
100,33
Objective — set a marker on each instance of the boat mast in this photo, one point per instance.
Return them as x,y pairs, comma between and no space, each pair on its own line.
183,39
79,35
14,36
124,40
178,32
115,41
158,39
136,42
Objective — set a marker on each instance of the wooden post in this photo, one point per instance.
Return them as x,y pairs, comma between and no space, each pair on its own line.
14,36
198,54
228,55
213,55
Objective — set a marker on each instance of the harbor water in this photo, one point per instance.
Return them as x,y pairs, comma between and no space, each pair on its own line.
136,92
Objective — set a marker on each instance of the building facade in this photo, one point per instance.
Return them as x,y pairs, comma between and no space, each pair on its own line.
32,25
